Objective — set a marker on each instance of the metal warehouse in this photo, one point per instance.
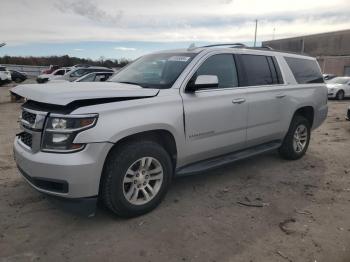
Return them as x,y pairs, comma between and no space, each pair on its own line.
331,49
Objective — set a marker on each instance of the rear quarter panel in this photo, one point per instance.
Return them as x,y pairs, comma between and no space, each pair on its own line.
302,95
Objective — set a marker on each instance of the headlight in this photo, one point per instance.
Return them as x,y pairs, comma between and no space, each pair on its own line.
60,131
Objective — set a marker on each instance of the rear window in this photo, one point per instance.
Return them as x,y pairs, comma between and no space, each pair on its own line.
260,70
305,71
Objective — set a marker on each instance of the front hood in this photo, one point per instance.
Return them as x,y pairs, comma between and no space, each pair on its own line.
65,93
333,85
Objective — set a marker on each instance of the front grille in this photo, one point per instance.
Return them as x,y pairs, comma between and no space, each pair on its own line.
26,139
29,117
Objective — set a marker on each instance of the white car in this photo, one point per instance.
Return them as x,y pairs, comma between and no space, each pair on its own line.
339,88
92,77
55,74
76,73
5,75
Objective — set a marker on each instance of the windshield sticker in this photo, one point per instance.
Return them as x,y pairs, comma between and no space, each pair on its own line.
179,58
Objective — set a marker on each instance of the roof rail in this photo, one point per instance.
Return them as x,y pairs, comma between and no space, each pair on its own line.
262,47
228,44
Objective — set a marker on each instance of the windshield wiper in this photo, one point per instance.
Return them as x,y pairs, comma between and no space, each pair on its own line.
130,83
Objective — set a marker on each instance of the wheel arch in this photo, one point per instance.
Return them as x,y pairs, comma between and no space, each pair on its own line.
306,111
162,136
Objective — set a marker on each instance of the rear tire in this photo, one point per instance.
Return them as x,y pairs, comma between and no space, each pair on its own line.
136,178
340,95
297,139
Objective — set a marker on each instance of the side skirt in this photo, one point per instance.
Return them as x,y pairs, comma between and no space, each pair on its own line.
215,162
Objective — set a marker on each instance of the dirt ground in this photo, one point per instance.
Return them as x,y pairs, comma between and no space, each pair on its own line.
302,210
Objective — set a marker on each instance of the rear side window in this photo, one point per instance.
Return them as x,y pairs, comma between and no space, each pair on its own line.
223,66
305,71
259,70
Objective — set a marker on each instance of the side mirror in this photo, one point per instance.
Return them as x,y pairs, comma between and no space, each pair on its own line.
202,82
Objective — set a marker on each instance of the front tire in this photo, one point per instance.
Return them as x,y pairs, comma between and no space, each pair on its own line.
136,178
297,139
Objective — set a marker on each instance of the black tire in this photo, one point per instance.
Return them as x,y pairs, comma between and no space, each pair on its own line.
17,80
340,95
119,160
287,150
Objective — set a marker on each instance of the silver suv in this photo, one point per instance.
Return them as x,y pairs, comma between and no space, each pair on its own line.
167,114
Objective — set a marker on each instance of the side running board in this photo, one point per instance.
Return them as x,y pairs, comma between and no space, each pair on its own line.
215,162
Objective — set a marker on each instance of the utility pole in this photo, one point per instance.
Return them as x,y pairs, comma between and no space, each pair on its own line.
256,31
273,34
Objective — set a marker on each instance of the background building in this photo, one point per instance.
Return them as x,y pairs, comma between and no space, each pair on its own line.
331,49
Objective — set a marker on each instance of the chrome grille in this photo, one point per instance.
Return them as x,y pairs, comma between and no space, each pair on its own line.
32,124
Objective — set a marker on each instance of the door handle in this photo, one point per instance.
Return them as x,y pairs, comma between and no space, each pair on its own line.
238,101
280,95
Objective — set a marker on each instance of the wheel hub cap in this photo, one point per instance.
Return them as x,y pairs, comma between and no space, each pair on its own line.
300,138
142,180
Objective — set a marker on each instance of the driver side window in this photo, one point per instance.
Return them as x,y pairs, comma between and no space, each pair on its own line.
223,66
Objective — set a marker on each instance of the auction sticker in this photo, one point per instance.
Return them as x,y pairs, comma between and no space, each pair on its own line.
179,58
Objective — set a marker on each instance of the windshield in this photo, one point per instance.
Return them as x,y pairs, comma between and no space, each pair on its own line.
339,80
154,71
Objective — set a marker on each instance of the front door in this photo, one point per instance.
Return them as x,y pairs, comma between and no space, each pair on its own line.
215,118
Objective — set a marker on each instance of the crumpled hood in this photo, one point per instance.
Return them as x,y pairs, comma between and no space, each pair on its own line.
65,93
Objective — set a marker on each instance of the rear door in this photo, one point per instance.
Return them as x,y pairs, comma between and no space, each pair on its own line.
215,118
265,95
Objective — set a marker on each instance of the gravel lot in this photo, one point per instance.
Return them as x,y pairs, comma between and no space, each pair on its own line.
302,210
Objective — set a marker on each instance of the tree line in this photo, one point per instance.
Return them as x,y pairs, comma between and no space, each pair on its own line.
64,60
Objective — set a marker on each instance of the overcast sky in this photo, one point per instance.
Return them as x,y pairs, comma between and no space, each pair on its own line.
130,28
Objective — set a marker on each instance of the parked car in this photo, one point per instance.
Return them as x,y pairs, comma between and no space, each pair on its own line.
50,69
328,77
92,77
17,76
95,77
5,75
167,114
76,73
54,75
339,88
